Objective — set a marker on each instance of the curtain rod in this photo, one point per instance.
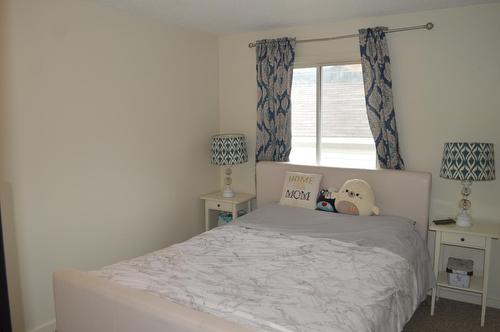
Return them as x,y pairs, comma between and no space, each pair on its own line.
427,26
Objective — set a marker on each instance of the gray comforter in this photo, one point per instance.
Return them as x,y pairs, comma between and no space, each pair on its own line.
396,234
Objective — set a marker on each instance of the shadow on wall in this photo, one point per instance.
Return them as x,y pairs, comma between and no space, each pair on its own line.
6,197
11,258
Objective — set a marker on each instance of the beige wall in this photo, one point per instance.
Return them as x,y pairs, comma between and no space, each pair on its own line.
446,85
105,119
105,138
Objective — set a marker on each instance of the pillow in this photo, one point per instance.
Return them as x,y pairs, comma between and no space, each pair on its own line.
326,201
356,197
300,189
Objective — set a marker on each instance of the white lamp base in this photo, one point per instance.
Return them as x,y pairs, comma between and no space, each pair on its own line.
464,219
228,192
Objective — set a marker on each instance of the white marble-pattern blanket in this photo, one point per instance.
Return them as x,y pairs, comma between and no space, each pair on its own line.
278,282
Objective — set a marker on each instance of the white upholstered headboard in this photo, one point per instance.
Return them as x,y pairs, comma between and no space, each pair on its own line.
397,193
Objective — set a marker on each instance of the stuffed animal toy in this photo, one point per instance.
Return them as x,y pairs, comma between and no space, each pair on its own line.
326,201
356,197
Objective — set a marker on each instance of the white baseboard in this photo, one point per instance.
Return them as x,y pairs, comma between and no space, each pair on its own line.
468,297
46,327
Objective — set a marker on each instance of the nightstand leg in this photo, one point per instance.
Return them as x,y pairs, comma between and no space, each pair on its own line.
235,212
207,219
486,274
433,301
437,254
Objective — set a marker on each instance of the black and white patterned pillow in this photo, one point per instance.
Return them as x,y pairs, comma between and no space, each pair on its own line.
326,201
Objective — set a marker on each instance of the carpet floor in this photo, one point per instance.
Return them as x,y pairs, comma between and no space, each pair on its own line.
453,316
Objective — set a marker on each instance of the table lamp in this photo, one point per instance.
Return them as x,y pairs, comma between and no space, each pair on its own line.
467,162
228,150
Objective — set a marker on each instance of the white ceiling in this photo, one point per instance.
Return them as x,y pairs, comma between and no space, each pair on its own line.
231,16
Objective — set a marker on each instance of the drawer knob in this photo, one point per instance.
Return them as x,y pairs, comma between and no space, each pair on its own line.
218,205
462,239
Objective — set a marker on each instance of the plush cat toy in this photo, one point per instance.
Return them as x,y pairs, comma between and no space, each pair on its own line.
356,197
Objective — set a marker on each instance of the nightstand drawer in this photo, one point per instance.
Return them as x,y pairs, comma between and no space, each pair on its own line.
464,240
221,206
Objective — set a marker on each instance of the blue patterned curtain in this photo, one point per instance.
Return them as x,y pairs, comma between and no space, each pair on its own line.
378,95
275,59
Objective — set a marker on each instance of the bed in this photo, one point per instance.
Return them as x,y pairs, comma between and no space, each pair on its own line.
276,269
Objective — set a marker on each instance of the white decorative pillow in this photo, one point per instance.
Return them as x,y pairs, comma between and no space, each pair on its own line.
301,190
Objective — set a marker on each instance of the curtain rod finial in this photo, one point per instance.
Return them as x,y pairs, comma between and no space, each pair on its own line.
250,45
429,26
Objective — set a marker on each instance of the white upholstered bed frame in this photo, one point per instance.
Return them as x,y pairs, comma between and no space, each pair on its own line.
398,193
88,304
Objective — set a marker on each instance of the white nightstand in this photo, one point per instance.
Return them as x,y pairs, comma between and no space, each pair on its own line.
478,236
215,201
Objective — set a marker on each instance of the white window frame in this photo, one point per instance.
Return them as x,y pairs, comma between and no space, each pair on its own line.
318,67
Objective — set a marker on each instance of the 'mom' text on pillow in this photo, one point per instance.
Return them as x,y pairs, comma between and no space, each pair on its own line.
298,194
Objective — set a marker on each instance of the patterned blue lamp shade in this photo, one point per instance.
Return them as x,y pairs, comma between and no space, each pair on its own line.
228,150
467,162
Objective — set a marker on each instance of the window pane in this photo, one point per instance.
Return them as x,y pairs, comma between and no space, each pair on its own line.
346,139
304,116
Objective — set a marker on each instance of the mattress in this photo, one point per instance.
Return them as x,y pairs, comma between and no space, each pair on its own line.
283,268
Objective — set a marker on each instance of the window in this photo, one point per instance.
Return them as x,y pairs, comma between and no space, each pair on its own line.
329,122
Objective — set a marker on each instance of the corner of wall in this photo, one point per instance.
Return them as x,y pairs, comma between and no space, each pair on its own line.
6,197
